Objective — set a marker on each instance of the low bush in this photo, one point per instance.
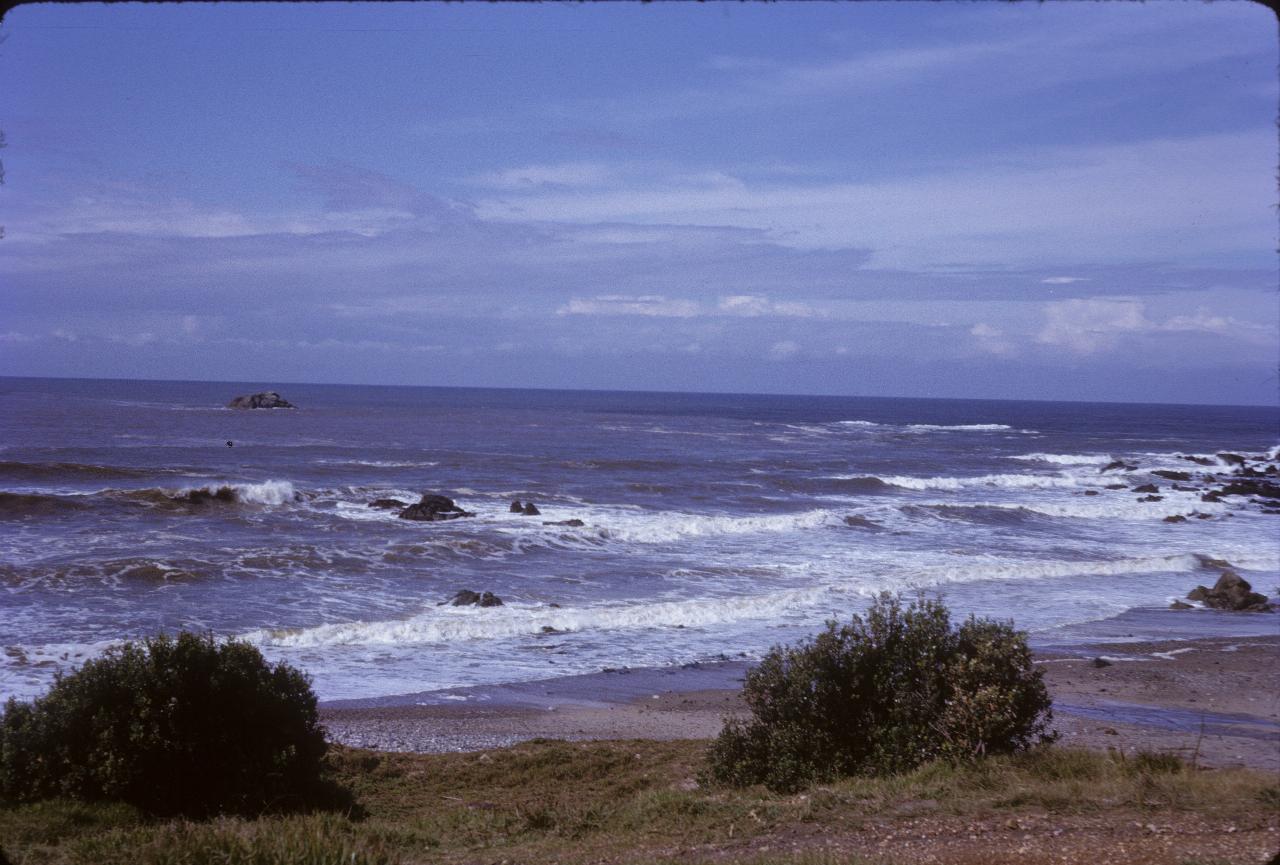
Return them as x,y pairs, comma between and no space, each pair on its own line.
881,695
180,725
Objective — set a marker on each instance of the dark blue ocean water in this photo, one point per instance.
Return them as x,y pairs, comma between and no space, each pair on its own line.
715,525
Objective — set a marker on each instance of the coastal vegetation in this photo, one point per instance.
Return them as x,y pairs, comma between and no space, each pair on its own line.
884,694
179,725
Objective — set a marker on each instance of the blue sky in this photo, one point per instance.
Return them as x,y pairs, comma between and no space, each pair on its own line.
1028,201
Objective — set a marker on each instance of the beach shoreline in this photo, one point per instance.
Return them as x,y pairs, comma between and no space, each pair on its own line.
1213,699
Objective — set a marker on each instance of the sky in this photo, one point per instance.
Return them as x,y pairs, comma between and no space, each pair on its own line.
1070,201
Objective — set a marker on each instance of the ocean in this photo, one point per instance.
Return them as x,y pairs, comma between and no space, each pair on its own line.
714,526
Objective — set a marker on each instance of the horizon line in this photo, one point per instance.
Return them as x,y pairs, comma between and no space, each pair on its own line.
1275,405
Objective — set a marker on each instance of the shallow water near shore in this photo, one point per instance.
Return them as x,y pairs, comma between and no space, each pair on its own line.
714,526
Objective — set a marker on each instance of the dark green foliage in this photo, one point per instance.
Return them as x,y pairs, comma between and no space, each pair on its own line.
882,695
174,726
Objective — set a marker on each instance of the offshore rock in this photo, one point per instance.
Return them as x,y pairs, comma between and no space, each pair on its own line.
1264,489
266,399
516,507
577,524
1230,592
1171,476
531,510
468,598
388,504
433,508
1147,488
1117,464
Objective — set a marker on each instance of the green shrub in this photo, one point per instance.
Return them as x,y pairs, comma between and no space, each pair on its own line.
173,726
883,695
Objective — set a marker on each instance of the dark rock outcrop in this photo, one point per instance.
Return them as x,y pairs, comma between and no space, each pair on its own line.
1151,499
388,504
1230,592
576,524
433,508
468,598
1263,489
855,521
1091,492
1180,605
266,399
1200,461
1147,488
516,507
1115,465
1171,476
1175,518
531,510
1232,459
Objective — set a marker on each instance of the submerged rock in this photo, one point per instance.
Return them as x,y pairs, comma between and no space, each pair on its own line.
266,399
1230,592
388,504
1175,518
576,524
1151,499
855,521
1117,464
433,508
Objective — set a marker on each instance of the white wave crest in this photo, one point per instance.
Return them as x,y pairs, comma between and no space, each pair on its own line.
658,528
970,427
264,493
1066,459
452,624
1013,482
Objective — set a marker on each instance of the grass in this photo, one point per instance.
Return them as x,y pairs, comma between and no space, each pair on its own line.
635,801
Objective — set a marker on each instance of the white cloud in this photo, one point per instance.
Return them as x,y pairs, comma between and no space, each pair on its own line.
783,350
1088,326
753,305
1177,199
623,304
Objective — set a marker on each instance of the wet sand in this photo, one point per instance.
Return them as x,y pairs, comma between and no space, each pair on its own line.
1214,700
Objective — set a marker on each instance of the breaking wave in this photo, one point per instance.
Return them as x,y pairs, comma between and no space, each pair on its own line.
1015,482
1066,459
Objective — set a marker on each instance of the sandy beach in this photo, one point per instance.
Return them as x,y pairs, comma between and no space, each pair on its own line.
1214,700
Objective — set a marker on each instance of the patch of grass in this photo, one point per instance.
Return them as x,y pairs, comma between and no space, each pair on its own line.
569,802
311,840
